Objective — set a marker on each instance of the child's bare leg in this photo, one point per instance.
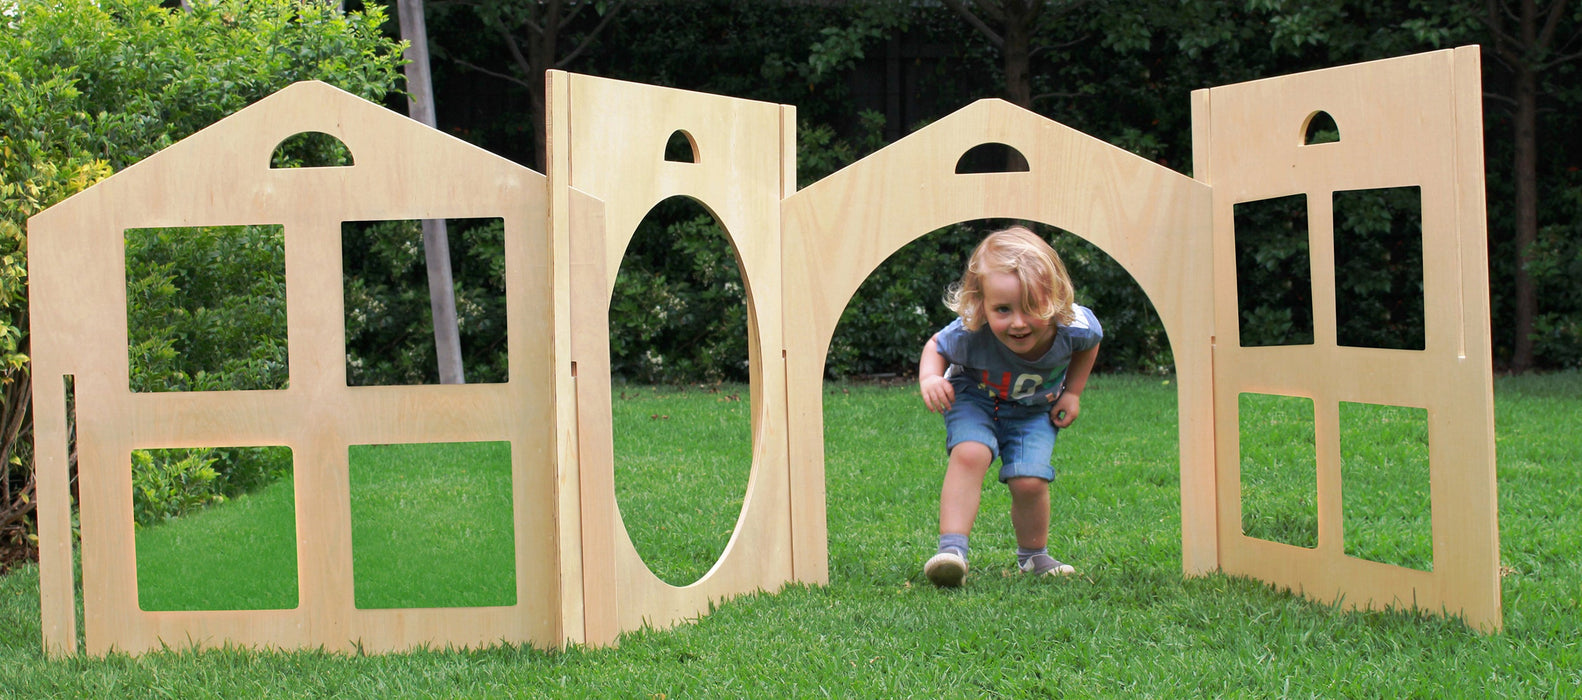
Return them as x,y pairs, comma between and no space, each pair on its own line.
1030,511
963,488
958,507
1030,518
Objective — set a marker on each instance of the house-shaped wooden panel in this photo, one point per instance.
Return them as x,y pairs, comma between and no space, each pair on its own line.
1413,122
1152,220
222,176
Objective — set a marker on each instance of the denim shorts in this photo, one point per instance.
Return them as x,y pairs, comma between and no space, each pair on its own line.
1021,437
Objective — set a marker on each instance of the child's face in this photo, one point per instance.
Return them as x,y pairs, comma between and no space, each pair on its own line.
1024,332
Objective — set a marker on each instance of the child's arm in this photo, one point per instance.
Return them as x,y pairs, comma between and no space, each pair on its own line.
1069,404
938,394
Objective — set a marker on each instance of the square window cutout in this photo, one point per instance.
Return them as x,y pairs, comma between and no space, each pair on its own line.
216,528
1274,276
432,525
1385,499
1279,469
206,308
389,317
1379,268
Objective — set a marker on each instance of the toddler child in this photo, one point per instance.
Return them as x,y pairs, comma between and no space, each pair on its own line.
1007,374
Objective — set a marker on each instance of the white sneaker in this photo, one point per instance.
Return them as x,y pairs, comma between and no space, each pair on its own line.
946,569
1045,565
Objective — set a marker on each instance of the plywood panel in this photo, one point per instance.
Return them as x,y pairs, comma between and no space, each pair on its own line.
1414,122
616,134
1408,122
1153,221
221,176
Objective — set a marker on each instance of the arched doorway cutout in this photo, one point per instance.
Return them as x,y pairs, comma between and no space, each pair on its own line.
1153,221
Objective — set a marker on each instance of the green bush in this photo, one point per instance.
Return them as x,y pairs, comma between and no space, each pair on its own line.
679,310
206,308
1556,267
172,482
1134,335
900,305
91,86
678,316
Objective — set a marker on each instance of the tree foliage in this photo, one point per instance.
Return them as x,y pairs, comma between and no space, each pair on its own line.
389,320
863,74
1533,41
92,86
536,35
679,311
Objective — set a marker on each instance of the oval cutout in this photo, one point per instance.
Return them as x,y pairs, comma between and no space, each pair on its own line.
310,149
681,148
1320,128
681,409
992,157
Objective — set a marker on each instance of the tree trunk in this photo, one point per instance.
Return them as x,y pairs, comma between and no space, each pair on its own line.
1017,54
436,241
541,52
1017,51
15,504
1525,50
1525,176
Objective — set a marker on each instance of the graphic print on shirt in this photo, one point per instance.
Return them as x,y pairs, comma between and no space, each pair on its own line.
1025,385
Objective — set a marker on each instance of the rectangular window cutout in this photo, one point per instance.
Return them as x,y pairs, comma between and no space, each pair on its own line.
206,308
1279,469
1379,268
204,542
69,384
1274,276
1387,512
389,317
432,525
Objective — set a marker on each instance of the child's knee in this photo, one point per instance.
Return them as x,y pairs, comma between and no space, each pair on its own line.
972,454
1024,487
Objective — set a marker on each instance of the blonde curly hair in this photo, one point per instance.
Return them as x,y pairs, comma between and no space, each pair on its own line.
1046,288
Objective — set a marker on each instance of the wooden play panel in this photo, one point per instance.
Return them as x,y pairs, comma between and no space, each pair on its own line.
1409,122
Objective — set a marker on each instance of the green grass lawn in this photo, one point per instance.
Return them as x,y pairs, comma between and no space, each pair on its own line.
682,457
1128,625
239,556
431,527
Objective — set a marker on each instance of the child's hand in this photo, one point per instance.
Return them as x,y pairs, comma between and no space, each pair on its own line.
1065,410
938,394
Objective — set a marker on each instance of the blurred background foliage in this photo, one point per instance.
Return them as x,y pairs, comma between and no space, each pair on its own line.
90,87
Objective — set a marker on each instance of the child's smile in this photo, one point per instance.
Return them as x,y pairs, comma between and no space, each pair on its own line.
1025,333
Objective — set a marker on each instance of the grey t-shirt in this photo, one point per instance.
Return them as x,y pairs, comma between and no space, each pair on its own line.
980,363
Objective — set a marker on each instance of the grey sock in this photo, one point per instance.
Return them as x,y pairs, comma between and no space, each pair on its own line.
1022,555
954,541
